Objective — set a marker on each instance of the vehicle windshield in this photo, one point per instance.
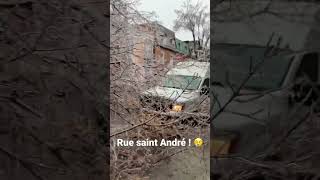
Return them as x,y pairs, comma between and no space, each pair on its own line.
232,66
182,82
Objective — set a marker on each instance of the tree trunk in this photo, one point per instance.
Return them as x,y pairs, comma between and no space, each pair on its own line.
194,44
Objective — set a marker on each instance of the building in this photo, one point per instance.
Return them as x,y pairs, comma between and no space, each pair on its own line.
154,48
165,46
182,50
190,45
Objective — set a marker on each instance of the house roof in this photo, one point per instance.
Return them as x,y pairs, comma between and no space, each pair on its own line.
167,47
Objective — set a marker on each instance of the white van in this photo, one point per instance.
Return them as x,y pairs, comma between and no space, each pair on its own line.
247,123
182,89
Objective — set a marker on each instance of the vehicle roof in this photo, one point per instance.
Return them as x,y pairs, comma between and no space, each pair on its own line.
230,45
283,51
250,49
191,68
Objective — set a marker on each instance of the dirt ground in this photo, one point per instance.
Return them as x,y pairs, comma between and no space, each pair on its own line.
192,164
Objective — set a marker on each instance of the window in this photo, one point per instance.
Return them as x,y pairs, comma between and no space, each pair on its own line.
148,57
206,83
172,42
162,58
309,67
205,87
182,82
234,63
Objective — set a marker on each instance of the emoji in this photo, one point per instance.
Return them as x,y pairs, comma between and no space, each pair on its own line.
198,142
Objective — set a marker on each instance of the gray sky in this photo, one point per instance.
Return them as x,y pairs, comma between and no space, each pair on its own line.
165,12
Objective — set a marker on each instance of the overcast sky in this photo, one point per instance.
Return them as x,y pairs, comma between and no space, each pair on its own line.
165,12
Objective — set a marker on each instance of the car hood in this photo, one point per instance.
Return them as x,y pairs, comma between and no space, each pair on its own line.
177,95
255,120
252,108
